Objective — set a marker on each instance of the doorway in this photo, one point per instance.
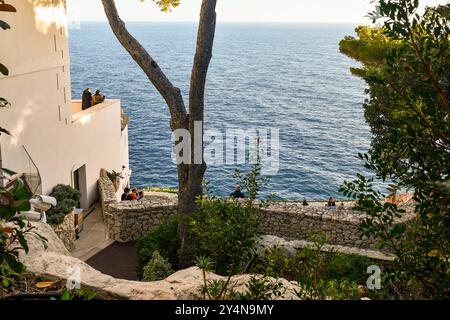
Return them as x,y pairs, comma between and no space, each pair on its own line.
80,183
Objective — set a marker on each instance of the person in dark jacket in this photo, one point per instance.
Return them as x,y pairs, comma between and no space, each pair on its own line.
86,100
237,194
125,195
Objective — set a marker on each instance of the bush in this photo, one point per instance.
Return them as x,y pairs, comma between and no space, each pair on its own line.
164,240
67,198
321,275
225,231
157,268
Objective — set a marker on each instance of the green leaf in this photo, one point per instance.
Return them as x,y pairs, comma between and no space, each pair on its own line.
3,130
5,282
4,25
20,191
22,205
4,70
6,212
7,172
14,263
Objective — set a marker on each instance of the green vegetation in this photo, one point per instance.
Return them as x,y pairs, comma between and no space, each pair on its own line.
406,66
157,189
13,228
252,182
321,275
67,198
157,268
225,231
164,240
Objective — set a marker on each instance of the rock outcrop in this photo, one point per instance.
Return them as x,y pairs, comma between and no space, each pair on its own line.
55,261
290,248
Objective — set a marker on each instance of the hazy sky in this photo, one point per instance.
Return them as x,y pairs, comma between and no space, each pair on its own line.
236,10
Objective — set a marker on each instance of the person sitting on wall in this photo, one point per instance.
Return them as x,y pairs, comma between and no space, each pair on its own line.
97,98
331,202
86,99
125,194
237,194
141,195
305,203
133,195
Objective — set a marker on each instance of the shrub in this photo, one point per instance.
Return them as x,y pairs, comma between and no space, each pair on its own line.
157,268
67,198
163,239
226,231
321,275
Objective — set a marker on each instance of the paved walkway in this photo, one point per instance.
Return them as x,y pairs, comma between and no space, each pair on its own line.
107,256
93,237
117,260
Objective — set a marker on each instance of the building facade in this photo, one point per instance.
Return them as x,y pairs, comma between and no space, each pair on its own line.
52,139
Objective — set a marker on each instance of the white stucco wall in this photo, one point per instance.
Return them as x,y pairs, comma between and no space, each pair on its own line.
41,117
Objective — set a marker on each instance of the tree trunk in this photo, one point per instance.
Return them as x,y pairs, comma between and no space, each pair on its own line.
190,176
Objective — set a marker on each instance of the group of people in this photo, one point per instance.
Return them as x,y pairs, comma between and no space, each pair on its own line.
135,194
88,100
132,194
330,203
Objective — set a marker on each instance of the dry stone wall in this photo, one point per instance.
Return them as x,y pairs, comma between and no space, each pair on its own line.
292,221
129,220
66,231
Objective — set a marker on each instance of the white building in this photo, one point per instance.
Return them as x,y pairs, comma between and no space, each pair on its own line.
51,135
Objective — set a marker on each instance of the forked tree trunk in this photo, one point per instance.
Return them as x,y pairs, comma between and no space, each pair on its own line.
190,176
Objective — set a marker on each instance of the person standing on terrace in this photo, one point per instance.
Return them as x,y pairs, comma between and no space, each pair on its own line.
97,98
86,100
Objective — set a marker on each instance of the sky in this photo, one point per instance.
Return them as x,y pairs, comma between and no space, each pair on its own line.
330,11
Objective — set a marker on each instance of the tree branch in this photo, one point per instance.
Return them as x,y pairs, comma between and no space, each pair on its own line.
170,93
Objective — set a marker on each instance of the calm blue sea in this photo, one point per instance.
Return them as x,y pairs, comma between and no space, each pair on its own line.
289,76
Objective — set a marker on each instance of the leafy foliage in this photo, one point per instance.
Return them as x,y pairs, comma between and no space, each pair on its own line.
320,274
13,228
253,181
114,175
162,239
262,288
409,115
67,198
167,5
157,268
226,231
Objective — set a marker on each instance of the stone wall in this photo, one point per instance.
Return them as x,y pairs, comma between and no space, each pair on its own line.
293,221
340,225
66,231
130,220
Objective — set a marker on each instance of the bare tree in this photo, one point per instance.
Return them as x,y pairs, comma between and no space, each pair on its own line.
190,175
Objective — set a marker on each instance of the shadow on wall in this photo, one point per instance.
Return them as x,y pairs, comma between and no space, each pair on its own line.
49,15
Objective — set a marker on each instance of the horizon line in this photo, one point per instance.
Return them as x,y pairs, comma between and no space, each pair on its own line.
228,21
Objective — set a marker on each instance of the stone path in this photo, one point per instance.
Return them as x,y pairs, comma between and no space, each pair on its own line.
93,237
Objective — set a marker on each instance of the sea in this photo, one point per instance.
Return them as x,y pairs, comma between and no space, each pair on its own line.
289,77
